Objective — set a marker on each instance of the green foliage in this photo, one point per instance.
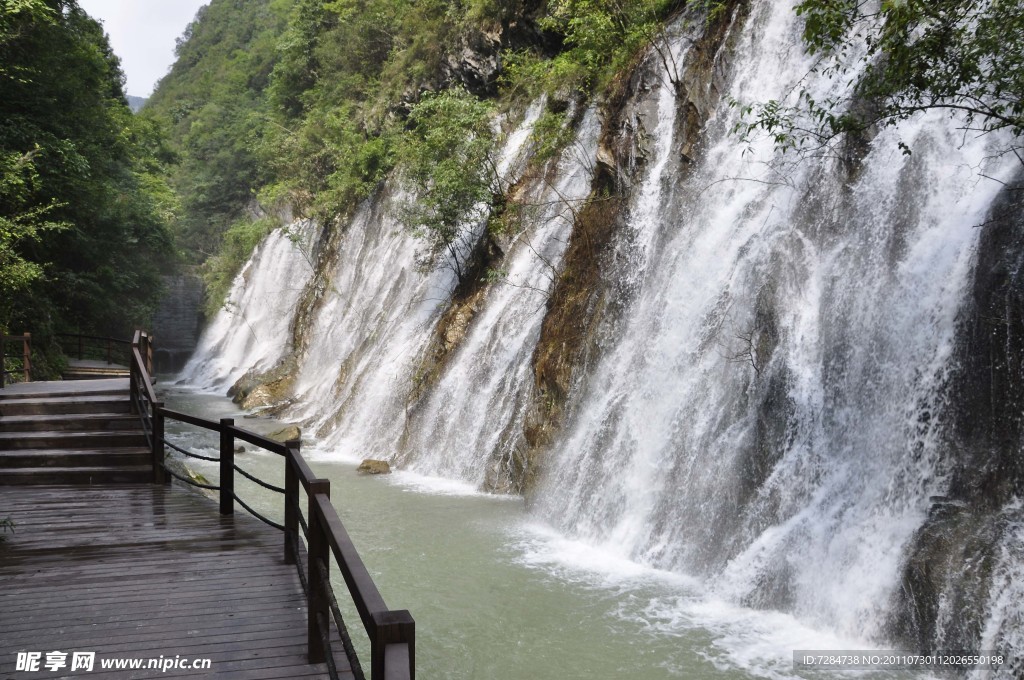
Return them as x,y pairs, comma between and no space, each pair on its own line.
214,105
910,56
446,158
551,133
82,200
601,36
20,223
310,104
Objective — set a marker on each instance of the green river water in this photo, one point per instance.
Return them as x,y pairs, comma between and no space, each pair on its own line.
497,595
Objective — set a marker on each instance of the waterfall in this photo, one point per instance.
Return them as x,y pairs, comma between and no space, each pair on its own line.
375,319
253,327
470,425
770,415
769,411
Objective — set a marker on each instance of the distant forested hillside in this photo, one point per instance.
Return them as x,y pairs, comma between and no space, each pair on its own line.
136,103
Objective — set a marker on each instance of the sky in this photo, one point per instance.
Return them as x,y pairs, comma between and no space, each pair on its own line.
142,33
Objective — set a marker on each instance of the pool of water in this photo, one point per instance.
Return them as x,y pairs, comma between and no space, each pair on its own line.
497,594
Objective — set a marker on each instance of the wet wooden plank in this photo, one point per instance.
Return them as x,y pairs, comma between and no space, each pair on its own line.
145,571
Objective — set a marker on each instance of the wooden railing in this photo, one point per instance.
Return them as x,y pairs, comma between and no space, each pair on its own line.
102,348
78,345
24,356
392,633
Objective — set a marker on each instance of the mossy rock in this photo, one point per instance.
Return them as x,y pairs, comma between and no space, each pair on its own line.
371,466
286,434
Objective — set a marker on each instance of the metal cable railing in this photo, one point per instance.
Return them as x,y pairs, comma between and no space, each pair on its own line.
192,454
325,641
299,562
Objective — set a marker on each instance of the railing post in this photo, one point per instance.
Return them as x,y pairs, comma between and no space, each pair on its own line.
291,501
26,362
149,354
158,444
318,550
3,362
392,628
227,466
133,387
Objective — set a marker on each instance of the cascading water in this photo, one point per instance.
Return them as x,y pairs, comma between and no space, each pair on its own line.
471,422
355,381
770,411
771,415
253,328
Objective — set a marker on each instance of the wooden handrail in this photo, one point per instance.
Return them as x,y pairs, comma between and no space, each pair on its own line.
104,338
392,633
101,346
259,440
26,357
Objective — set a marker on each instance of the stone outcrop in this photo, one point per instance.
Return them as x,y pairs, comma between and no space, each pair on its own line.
286,434
265,390
949,565
177,322
371,466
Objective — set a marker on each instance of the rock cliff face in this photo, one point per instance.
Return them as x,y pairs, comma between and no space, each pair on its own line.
588,290
177,322
802,382
970,545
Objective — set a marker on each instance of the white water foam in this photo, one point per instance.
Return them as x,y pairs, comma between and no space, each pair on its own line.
253,328
463,429
770,417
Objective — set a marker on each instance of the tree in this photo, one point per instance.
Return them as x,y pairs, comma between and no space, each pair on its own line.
961,56
82,199
446,157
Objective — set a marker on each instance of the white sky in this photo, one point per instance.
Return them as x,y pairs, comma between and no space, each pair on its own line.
142,33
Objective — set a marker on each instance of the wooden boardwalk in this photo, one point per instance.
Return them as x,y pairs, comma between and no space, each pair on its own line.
142,571
150,579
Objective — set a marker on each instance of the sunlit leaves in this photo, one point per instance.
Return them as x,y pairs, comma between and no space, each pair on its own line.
910,56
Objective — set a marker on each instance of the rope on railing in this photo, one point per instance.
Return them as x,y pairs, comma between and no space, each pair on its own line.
299,516
299,567
188,453
174,474
346,640
145,417
258,515
325,640
265,485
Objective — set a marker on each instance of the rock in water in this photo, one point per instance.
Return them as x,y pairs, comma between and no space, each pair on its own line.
374,467
287,434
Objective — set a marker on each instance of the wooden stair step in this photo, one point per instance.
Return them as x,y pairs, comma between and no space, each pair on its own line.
103,403
90,376
69,458
61,388
78,475
73,422
70,440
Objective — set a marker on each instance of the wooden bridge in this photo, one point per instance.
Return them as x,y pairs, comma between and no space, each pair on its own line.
108,558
